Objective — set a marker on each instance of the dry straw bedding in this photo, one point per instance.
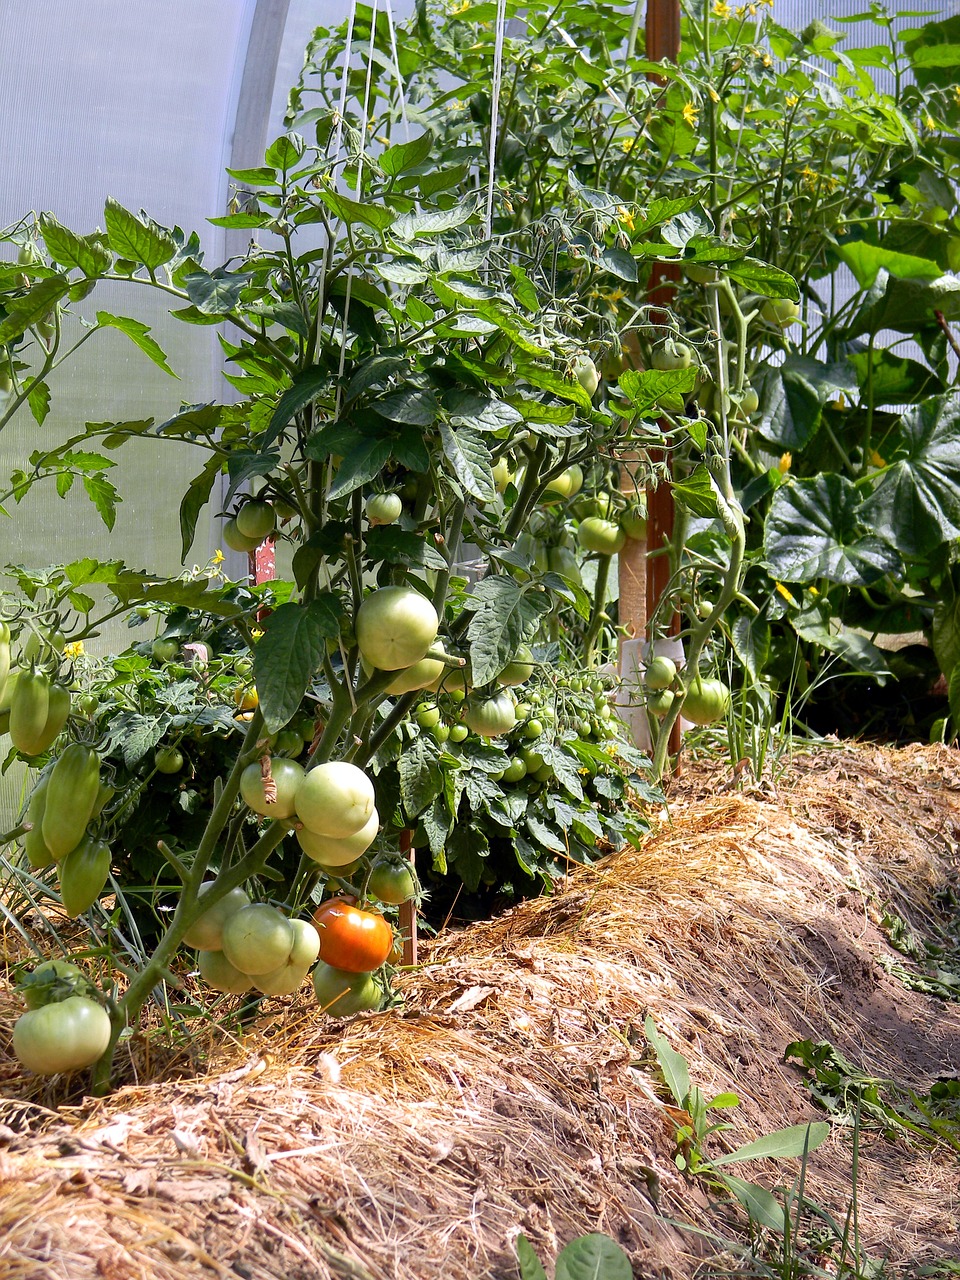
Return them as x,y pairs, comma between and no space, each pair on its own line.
504,1097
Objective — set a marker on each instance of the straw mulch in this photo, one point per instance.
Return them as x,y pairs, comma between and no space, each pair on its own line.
512,1091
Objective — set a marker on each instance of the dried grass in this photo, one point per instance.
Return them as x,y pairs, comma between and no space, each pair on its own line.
502,1097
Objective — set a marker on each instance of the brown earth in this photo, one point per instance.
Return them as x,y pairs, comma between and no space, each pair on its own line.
514,1091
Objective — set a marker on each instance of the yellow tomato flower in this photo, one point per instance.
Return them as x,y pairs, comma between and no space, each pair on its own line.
956,94
721,10
74,650
791,99
785,593
689,114
626,217
876,460
786,459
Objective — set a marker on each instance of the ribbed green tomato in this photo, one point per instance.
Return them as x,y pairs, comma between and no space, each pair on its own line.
491,717
289,976
206,932
257,939
65,1036
660,673
256,519
287,776
217,972
395,626
600,536
342,994
330,852
51,981
335,799
706,701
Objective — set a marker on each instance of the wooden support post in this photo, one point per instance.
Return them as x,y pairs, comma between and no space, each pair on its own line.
408,911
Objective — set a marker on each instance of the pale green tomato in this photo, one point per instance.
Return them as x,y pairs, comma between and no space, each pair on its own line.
780,311
421,675
633,522
335,799
492,717
256,519
217,972
502,475
383,508
585,372
672,355
660,673
206,933
289,976
660,701
330,852
65,1036
600,536
235,540
395,627
287,776
341,994
706,701
749,401
566,485
257,939
519,669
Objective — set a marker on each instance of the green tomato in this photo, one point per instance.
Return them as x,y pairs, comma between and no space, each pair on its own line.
168,760
706,701
235,540
391,880
50,981
532,729
633,522
672,355
165,649
427,716
395,627
287,776
257,939
782,312
502,475
289,976
585,372
288,742
83,874
492,717
383,508
65,1036
217,972
519,669
515,771
532,760
563,561
458,732
660,701
341,994
256,519
340,853
600,536
749,401
335,799
523,711
440,733
660,673
206,932
566,485
700,272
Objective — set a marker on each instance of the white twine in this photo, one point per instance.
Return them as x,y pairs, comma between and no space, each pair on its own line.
495,113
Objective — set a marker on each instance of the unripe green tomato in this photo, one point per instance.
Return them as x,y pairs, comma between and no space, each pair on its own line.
532,760
491,717
206,932
600,536
523,710
544,773
256,519
288,742
633,522
564,561
427,716
532,729
660,702
440,732
42,642
383,508
87,704
749,401
660,673
780,311
515,771
706,701
458,732
519,669
502,475
700,272
672,355
165,649
585,372
566,485
168,760
235,540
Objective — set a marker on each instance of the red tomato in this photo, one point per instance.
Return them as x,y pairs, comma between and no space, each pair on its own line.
350,939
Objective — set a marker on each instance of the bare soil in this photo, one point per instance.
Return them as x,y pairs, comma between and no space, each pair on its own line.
514,1092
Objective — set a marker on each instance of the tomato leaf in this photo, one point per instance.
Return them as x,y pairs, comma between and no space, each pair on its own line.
104,497
31,307
530,1266
38,397
504,616
406,155
72,250
289,655
137,332
470,461
193,502
421,777
139,240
